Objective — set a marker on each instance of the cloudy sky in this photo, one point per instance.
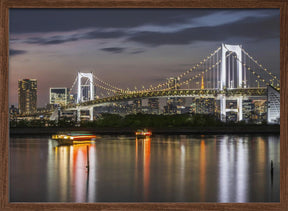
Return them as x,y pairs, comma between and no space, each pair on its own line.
130,47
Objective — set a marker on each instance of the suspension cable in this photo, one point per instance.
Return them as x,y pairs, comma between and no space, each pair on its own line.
260,65
253,72
194,68
108,84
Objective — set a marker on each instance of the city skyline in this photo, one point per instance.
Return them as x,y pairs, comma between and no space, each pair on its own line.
147,45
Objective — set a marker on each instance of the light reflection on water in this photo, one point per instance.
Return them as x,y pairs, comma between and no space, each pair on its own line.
208,168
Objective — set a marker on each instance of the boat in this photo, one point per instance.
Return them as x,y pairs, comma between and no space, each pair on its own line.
143,133
69,138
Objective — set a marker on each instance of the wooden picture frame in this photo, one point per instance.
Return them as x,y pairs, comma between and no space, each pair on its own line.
5,5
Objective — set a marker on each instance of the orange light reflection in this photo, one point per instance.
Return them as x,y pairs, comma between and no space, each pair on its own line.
147,152
202,170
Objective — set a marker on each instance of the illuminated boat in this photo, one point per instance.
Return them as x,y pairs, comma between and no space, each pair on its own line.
73,138
143,133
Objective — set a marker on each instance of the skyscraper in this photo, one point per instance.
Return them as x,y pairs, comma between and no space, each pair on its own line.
27,95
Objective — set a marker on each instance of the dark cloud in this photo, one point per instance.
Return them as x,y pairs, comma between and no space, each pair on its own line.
248,28
72,19
13,52
51,40
113,50
59,20
137,51
59,39
104,35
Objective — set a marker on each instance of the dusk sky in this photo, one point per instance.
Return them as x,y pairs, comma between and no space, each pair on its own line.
130,47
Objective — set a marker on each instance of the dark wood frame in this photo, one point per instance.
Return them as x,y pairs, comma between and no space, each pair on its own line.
4,129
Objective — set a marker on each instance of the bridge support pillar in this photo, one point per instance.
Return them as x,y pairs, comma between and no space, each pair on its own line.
223,108
240,112
91,113
78,114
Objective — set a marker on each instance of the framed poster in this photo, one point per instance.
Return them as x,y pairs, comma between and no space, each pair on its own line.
115,104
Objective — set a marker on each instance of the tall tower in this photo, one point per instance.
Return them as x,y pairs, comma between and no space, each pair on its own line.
223,78
85,91
202,82
236,49
27,95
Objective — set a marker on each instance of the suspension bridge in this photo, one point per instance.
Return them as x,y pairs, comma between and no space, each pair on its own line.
227,73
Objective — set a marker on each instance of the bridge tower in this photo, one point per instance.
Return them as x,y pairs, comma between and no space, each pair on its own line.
223,79
82,87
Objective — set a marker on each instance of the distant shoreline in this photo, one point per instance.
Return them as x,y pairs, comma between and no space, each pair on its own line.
255,129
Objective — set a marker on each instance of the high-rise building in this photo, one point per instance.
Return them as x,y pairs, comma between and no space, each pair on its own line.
27,95
59,96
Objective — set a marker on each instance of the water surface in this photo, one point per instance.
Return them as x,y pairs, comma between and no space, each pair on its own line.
185,168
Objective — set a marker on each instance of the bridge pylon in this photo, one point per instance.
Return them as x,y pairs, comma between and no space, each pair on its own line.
84,94
223,75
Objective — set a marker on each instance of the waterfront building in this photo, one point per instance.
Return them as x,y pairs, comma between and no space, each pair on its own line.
260,111
137,106
145,109
171,106
204,105
247,109
183,109
27,95
273,109
153,105
192,109
59,96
